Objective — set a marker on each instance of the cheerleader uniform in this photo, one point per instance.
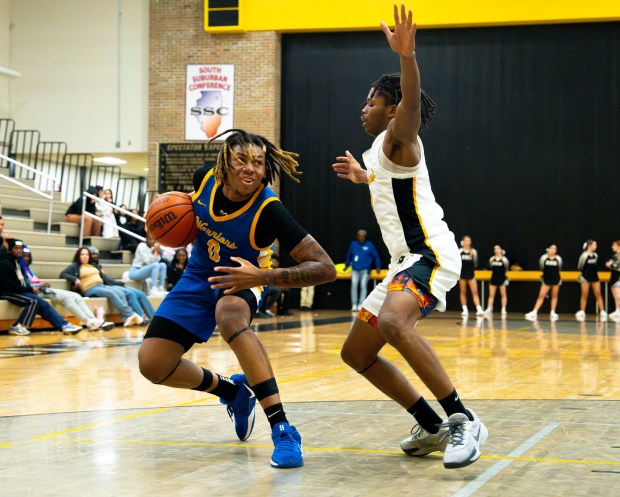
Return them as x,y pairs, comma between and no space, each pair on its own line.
469,262
614,279
551,268
498,271
587,263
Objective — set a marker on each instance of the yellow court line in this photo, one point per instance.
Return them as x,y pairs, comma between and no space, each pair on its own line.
335,449
6,445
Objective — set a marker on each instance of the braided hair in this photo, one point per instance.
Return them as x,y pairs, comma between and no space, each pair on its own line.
388,86
277,161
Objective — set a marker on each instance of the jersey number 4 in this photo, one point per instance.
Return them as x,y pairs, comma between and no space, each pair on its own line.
214,250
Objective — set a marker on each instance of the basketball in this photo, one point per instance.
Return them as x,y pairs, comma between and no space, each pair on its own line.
170,219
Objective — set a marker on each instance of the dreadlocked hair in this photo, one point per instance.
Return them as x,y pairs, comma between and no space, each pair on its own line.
388,86
277,161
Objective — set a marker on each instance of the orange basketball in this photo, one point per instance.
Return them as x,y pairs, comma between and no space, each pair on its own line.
170,219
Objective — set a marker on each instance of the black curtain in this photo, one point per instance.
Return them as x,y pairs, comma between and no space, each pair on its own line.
524,150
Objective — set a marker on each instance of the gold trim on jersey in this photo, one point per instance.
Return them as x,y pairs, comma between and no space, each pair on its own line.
235,214
255,222
426,242
204,182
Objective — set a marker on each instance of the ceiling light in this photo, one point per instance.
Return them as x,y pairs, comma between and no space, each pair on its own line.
109,161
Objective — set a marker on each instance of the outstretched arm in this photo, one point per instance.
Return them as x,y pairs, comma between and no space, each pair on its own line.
400,144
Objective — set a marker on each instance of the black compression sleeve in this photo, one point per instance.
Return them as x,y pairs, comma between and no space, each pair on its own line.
277,222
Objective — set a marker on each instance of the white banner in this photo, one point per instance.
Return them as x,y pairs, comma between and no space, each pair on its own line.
209,97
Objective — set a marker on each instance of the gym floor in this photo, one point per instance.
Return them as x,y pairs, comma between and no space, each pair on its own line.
77,418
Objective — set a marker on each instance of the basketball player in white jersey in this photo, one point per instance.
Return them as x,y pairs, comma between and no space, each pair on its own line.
425,261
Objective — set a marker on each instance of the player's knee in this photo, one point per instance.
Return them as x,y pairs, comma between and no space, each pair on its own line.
354,359
391,328
152,369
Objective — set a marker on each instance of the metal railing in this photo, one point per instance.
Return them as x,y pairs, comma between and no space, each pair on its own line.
51,179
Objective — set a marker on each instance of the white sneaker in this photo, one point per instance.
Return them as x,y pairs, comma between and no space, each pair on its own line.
479,311
421,442
94,324
615,314
132,320
71,329
580,315
465,440
465,313
106,326
603,316
18,329
504,312
554,316
531,316
355,308
488,312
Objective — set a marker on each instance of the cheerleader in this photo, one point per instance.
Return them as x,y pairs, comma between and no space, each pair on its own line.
614,280
469,262
499,266
589,278
550,264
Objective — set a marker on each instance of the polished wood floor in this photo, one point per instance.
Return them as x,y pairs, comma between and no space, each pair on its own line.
77,418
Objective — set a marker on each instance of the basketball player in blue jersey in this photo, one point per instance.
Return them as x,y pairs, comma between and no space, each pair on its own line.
239,217
424,265
550,264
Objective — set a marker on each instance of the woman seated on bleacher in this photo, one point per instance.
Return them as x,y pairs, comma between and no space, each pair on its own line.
15,288
92,227
93,282
176,268
147,264
73,301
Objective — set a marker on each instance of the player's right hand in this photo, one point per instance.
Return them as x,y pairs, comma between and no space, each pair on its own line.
348,168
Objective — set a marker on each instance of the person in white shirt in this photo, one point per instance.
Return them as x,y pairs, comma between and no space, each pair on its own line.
147,263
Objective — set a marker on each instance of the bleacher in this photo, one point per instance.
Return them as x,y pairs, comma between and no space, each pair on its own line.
26,217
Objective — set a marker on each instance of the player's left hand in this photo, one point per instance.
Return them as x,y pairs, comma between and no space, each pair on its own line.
244,276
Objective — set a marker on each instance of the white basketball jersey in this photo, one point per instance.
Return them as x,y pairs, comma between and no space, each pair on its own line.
410,219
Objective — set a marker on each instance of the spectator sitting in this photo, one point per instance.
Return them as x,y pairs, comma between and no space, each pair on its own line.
147,263
136,226
15,287
176,268
275,295
73,301
92,227
136,298
93,282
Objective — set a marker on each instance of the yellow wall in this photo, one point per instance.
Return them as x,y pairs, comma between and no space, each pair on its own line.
342,15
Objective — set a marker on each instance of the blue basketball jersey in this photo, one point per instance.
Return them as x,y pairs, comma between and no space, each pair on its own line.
221,237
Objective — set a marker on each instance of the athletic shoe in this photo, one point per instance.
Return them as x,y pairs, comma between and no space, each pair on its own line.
18,329
531,316
242,410
603,316
466,437
554,316
421,442
132,320
465,313
615,314
287,447
488,312
479,311
580,315
355,308
71,329
504,312
106,326
94,324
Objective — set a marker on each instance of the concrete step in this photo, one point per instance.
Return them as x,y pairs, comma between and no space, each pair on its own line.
36,238
69,229
107,244
41,215
57,283
5,172
52,254
18,223
24,203
18,191
53,269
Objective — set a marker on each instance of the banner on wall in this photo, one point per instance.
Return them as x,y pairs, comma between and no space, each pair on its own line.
209,97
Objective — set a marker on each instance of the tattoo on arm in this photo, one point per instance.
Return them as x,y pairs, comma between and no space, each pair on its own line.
315,267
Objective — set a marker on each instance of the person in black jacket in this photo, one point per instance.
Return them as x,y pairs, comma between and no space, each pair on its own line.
136,226
91,281
92,227
15,288
176,268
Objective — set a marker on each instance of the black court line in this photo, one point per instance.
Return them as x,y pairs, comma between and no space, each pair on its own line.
73,346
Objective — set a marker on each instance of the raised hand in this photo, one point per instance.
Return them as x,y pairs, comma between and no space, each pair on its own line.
348,168
402,40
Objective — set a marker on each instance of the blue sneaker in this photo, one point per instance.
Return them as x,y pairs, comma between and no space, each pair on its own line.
241,410
287,451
